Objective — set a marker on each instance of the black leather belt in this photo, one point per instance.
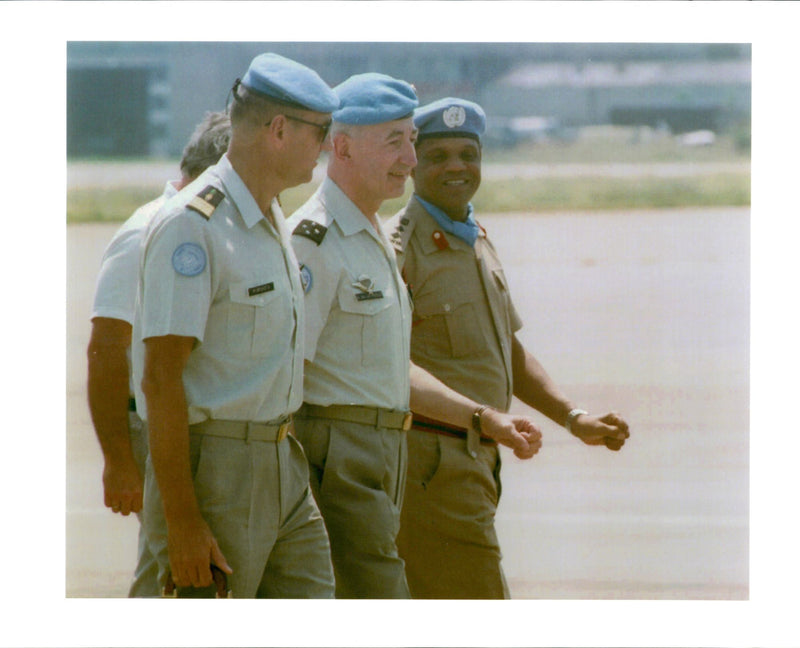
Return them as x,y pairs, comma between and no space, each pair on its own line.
425,424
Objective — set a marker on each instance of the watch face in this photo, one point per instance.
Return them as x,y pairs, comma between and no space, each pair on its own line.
476,418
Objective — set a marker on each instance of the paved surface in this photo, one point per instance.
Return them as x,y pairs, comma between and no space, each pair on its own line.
643,311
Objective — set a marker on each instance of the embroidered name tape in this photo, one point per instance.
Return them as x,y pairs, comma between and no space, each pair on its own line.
189,259
257,290
363,296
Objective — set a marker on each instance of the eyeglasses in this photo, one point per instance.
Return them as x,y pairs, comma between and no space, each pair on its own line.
324,128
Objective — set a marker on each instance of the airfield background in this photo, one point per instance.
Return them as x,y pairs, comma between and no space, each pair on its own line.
161,90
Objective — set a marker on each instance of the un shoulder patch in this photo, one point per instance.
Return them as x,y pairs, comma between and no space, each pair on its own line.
206,201
311,230
305,278
189,259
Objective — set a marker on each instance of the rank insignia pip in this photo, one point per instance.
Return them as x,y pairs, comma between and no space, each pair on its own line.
311,230
206,201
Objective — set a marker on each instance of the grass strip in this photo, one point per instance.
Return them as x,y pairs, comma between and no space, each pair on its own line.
494,196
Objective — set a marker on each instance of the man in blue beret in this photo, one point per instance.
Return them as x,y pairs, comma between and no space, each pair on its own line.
358,384
464,333
218,360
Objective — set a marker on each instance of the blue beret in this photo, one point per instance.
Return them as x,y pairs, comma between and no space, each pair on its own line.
289,82
373,98
450,117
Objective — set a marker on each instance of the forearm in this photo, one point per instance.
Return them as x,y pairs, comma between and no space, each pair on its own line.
534,387
432,398
108,388
168,424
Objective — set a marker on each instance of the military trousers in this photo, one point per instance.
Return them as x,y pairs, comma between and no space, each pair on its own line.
447,535
145,576
358,478
256,499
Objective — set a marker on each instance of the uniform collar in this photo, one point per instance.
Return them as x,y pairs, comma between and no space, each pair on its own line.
348,217
467,231
430,234
236,190
170,190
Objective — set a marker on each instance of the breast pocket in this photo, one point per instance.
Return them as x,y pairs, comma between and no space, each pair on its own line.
259,315
446,326
368,315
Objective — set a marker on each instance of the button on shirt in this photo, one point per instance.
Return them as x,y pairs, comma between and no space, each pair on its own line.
240,298
464,318
358,313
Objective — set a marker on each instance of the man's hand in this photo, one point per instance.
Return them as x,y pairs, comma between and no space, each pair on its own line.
610,430
122,486
516,432
192,548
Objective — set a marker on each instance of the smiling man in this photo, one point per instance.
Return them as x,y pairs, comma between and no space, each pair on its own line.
464,333
358,382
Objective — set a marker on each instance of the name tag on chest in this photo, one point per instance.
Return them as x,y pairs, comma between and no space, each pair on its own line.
375,294
257,290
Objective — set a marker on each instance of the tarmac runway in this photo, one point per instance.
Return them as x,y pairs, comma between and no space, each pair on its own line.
645,312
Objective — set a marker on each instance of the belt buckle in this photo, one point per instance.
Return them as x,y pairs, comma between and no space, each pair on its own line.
408,419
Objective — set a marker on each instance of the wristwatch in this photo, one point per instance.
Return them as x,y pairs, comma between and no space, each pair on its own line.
573,414
476,418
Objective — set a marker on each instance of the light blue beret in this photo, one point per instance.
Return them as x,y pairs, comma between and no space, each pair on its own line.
450,117
373,98
289,82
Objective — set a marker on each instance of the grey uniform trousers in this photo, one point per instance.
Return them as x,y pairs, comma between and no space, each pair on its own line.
358,478
145,576
256,499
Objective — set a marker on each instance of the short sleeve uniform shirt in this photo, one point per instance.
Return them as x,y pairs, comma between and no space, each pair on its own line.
358,313
117,282
231,281
115,295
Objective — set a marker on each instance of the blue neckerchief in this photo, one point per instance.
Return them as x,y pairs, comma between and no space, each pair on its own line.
467,231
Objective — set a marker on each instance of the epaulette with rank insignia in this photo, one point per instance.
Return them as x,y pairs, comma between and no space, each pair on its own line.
401,233
206,201
311,230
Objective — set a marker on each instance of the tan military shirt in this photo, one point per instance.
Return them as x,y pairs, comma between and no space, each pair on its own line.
358,313
464,319
228,278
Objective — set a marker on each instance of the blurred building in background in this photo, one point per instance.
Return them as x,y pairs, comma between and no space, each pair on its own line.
139,99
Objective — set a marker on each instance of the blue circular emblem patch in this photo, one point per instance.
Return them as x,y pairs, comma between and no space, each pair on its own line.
305,277
189,259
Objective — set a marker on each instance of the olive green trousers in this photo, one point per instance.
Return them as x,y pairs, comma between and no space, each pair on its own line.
447,536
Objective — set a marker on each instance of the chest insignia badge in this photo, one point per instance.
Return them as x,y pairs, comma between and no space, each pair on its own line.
365,286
